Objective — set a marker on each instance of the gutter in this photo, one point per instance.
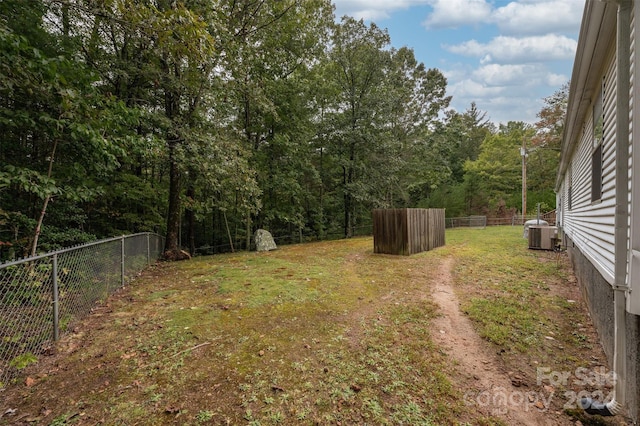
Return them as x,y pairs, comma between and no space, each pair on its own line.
620,286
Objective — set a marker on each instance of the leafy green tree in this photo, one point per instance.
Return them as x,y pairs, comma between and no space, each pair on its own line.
58,129
184,47
416,97
274,45
544,152
495,177
458,138
466,131
551,117
116,39
357,63
161,57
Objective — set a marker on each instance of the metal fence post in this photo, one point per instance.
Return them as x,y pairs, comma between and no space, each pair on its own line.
56,306
122,261
65,271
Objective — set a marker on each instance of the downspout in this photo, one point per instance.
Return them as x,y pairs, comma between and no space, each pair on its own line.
620,287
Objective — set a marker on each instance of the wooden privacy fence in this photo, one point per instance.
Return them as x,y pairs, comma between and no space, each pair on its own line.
407,231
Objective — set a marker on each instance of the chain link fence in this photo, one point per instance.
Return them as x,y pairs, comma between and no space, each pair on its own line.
466,222
42,295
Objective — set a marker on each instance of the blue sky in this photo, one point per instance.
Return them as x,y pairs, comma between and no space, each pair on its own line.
505,55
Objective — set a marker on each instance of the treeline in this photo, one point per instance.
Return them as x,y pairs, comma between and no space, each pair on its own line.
204,120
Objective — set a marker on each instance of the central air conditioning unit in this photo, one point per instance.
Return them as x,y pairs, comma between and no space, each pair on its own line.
543,237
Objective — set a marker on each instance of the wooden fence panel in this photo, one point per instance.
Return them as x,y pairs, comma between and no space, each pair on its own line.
407,231
437,226
388,232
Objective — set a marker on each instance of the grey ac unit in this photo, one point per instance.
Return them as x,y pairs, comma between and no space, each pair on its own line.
543,237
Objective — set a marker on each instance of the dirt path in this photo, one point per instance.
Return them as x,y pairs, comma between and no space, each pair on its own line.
489,389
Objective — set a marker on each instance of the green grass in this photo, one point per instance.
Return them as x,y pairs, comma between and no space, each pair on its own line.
505,286
320,333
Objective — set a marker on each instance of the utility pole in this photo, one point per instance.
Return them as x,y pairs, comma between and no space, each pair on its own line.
523,153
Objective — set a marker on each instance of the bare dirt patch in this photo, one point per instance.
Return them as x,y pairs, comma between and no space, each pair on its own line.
490,389
520,335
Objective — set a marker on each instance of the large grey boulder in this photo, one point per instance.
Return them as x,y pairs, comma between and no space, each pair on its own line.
264,241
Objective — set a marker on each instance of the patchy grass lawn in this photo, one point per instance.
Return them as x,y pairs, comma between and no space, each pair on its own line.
523,301
320,333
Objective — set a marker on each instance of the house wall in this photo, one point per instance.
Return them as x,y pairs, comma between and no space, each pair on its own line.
634,158
590,225
632,319
598,294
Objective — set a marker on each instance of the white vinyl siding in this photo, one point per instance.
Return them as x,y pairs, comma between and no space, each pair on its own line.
633,302
590,225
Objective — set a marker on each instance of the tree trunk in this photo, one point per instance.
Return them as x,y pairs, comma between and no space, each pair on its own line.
347,202
348,198
191,221
248,239
226,223
321,229
36,234
173,216
172,99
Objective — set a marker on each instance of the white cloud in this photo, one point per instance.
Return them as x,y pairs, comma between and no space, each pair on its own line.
471,89
455,13
513,108
556,80
505,49
501,108
506,92
509,75
523,56
517,75
514,72
538,17
524,17
373,10
456,72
